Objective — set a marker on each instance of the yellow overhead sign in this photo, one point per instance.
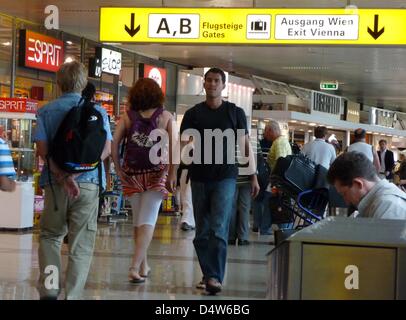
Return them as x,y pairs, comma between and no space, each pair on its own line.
254,26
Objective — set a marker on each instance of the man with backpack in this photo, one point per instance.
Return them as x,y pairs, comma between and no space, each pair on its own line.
73,137
214,181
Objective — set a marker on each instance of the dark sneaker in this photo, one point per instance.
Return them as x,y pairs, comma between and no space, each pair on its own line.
243,242
231,242
213,286
254,229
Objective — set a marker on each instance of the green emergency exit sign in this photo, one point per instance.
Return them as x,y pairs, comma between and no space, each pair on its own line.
329,85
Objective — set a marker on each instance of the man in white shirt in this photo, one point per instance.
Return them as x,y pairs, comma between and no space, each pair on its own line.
319,150
360,145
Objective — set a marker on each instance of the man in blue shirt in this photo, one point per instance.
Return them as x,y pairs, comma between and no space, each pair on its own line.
76,196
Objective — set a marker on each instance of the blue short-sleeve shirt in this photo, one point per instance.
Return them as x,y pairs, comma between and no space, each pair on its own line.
49,117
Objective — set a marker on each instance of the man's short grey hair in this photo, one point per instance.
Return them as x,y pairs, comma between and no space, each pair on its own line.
274,126
72,77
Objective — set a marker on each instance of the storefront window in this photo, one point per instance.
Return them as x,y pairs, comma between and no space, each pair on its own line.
72,46
126,78
5,55
32,83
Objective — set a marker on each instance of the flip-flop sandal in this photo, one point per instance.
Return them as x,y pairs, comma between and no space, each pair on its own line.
137,281
146,275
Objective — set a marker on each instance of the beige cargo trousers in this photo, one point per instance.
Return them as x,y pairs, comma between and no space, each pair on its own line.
78,219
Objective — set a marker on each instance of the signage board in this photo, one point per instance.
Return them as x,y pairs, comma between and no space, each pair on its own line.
346,26
110,60
95,70
329,85
155,73
40,52
352,112
18,105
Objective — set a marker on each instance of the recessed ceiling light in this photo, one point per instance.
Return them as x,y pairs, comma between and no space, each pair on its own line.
7,43
69,42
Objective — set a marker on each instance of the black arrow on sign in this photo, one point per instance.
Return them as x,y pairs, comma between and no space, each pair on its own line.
131,31
376,34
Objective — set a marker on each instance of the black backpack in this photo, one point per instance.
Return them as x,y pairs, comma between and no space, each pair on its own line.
79,141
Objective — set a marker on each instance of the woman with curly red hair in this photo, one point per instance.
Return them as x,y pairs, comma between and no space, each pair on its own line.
145,181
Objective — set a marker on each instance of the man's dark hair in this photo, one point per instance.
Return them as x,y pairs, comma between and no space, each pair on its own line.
218,71
359,134
320,132
351,165
383,140
89,91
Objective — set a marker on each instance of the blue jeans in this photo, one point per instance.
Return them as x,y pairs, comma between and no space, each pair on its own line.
262,214
212,205
240,215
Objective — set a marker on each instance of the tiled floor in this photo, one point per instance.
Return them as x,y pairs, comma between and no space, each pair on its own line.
175,269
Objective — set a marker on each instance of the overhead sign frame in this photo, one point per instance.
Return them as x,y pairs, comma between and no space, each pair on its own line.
248,26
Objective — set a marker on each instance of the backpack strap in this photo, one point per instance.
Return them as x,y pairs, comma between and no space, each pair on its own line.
50,183
232,113
157,113
133,115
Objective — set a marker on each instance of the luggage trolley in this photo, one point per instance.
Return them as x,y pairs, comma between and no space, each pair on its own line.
297,197
302,208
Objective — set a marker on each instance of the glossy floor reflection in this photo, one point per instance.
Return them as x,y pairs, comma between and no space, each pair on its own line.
175,269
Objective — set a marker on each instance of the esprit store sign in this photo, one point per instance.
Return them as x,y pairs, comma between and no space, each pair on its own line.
154,73
39,51
18,105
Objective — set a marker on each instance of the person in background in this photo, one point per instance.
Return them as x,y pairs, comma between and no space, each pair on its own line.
262,219
280,148
280,145
386,160
6,168
187,222
145,184
240,216
354,177
89,91
88,94
360,145
75,211
400,171
319,150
